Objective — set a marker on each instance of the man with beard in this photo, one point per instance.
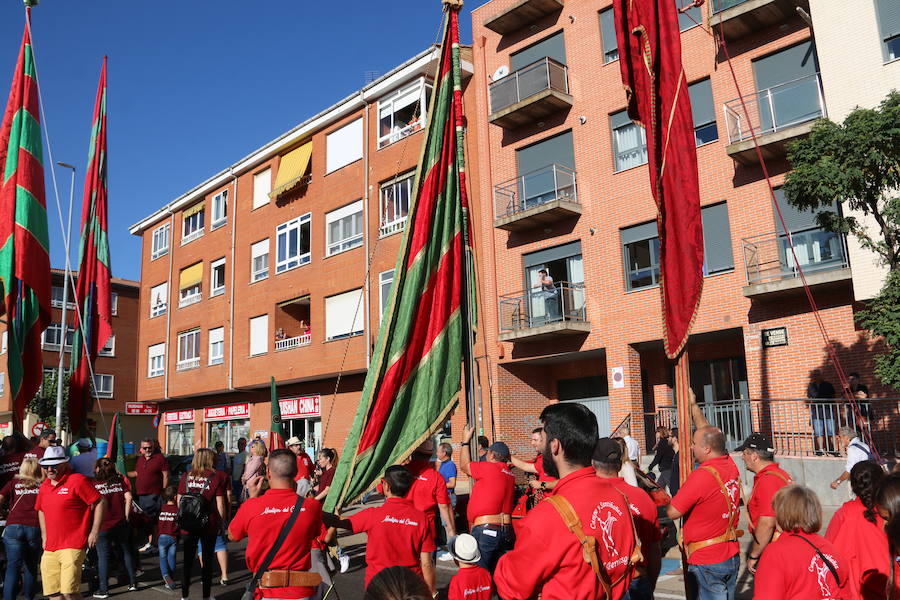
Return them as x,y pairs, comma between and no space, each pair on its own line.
543,482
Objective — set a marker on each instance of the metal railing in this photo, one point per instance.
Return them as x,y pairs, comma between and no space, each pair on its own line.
720,5
545,74
392,227
768,257
524,310
293,342
775,108
553,182
186,365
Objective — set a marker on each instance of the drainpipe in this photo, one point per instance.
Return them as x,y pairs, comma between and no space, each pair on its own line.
168,302
234,204
368,274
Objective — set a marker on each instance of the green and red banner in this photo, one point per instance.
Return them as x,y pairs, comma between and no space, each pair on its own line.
24,239
413,381
115,451
276,440
650,59
93,322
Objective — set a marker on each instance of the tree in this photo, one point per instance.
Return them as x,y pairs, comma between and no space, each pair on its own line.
882,318
44,402
857,162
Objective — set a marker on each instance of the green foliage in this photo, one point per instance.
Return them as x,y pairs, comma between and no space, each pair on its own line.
44,402
882,318
857,162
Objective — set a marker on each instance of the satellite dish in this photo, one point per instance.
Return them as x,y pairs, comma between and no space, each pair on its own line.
501,72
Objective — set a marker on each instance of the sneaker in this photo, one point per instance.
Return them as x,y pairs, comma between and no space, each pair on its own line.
133,587
101,595
444,555
145,548
345,563
171,586
167,581
225,581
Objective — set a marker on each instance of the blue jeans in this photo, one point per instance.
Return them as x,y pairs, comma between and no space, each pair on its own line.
114,540
640,589
715,581
23,549
493,542
167,549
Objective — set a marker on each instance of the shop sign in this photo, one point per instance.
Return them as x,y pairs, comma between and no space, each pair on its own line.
777,336
296,408
232,411
179,416
141,408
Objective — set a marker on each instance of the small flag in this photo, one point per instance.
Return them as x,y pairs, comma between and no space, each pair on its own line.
115,451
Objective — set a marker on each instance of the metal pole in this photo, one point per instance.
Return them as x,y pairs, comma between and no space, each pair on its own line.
65,302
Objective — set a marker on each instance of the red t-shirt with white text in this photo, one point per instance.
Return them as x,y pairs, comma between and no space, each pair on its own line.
36,452
114,492
304,466
791,569
21,500
492,493
769,480
470,583
643,509
167,523
67,508
9,466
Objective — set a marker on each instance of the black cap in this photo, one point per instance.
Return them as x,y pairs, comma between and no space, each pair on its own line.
756,441
607,450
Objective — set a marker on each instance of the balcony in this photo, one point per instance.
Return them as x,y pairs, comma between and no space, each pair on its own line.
188,364
777,115
530,94
521,14
293,342
535,199
773,272
395,226
735,19
544,314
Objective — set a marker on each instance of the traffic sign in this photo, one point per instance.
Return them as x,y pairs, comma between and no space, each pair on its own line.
37,428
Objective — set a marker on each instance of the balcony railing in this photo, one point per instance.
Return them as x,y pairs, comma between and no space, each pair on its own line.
768,257
553,182
720,5
188,300
776,108
545,74
187,365
392,227
534,308
293,342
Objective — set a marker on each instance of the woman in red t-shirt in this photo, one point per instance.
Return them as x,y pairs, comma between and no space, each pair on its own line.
114,531
325,460
887,505
22,536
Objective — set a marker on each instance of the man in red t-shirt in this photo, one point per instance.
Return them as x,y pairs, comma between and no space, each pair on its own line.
70,512
398,534
429,490
710,502
46,439
544,482
304,466
759,454
151,473
490,501
261,519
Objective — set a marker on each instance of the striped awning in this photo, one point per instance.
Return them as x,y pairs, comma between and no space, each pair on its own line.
292,169
190,276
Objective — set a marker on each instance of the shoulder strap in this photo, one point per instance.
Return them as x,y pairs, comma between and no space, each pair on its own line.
732,510
822,556
588,544
282,535
779,475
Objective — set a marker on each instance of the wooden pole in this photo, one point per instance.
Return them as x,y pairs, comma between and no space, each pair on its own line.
683,396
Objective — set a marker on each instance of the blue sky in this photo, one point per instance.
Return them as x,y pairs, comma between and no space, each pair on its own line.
194,86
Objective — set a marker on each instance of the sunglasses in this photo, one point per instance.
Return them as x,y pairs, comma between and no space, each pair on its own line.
51,468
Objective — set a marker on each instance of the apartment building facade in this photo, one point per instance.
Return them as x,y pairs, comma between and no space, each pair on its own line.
566,194
279,267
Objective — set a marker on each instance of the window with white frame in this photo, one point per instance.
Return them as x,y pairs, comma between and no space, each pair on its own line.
292,243
217,346
2,383
114,303
56,298
259,335
343,228
344,146
159,299
259,260
219,209
3,341
52,336
156,360
110,348
217,277
190,285
103,385
160,241
262,185
188,349
403,112
192,226
629,141
888,16
395,196
343,315
385,281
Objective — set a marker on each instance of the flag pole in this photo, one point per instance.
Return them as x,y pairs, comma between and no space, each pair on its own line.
65,303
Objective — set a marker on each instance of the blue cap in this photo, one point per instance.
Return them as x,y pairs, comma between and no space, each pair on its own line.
500,449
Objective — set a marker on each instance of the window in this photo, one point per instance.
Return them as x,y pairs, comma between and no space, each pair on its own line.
156,360
56,298
292,243
160,241
343,315
114,303
180,439
385,282
219,209
159,299
103,385
51,337
188,350
641,253
189,285
344,228
403,112
217,277
395,196
259,260
110,348
262,185
889,27
2,383
3,342
608,36
217,346
690,17
192,226
717,256
344,146
259,335
787,87
546,173
705,130
629,141
553,46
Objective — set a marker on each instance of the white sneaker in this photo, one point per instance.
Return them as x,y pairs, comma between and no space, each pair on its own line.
444,555
345,563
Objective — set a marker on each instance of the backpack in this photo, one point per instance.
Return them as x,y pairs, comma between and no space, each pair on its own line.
194,509
869,454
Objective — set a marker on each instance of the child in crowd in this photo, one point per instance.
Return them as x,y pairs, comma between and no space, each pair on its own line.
471,582
167,529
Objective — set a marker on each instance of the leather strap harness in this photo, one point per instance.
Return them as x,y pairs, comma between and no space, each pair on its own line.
731,533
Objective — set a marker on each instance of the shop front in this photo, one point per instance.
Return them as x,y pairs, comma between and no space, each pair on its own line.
227,424
179,426
301,417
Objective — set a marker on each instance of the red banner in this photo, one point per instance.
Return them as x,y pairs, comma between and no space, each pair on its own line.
141,408
175,417
298,408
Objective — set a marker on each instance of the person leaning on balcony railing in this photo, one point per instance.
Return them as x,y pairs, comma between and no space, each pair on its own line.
821,394
550,293
857,451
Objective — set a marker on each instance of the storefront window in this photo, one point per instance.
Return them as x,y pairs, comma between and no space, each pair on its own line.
308,430
228,432
180,439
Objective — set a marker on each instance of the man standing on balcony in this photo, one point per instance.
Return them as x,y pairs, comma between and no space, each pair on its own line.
821,406
551,296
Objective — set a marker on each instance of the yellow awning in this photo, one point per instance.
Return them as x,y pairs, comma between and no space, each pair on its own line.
292,169
191,276
193,210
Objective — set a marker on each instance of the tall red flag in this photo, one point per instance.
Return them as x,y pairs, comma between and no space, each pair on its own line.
650,58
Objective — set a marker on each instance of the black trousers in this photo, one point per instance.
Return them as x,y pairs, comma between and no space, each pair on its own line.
208,549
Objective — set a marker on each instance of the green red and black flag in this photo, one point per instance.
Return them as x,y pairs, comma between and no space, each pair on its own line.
277,439
414,380
24,239
93,321
115,451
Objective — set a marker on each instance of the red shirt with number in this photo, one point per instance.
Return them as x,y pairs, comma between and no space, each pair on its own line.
470,583
643,509
304,466
548,558
769,480
150,471
492,493
428,490
210,486
791,569
21,500
398,535
261,520
706,509
167,524
68,511
114,492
